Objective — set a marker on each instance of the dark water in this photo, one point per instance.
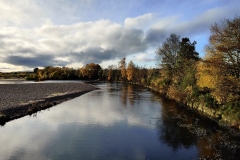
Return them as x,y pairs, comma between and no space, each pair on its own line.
116,122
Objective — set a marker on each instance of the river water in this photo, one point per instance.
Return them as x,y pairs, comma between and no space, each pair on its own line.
116,122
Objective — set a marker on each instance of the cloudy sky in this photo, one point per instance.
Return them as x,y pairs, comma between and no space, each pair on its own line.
36,33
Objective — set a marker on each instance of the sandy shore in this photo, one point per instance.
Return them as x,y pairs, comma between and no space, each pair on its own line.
18,100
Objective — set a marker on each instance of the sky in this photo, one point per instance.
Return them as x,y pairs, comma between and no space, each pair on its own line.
72,33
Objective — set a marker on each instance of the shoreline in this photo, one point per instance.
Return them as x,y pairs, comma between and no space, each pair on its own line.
212,114
36,97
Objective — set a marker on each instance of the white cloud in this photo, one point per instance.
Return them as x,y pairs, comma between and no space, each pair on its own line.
140,22
145,57
81,42
165,23
6,67
24,13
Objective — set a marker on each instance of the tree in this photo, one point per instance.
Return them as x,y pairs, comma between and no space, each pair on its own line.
91,71
122,67
130,71
168,52
167,55
177,61
220,70
225,41
35,70
187,50
212,75
111,74
186,60
186,66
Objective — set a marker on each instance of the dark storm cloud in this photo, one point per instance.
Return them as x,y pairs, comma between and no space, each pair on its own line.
96,55
39,60
155,36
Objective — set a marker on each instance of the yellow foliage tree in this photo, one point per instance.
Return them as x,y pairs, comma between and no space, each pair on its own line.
122,67
220,72
213,74
130,71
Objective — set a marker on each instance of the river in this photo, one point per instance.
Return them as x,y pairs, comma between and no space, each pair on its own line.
116,122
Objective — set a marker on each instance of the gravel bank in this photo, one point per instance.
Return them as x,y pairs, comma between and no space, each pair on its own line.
17,100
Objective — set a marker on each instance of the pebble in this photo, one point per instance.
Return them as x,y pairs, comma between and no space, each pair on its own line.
15,95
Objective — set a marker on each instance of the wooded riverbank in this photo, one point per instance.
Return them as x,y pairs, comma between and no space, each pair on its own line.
218,115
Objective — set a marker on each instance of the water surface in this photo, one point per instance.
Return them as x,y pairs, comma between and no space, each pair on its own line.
116,122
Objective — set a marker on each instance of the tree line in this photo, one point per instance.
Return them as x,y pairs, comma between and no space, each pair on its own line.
15,75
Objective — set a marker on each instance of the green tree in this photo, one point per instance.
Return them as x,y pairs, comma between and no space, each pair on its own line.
110,74
167,56
177,60
187,50
167,53
35,70
186,66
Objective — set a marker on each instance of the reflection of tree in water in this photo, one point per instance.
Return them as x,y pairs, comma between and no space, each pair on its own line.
183,129
170,132
124,95
130,93
113,88
180,128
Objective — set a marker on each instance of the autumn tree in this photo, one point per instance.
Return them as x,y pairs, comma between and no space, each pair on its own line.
225,41
130,71
122,67
219,72
91,71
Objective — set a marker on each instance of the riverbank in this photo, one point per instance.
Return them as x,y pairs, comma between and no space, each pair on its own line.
18,100
220,116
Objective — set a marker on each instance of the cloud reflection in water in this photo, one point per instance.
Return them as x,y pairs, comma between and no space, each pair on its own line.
116,121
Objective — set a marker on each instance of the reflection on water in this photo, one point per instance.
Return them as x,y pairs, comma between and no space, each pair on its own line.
116,122
186,129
